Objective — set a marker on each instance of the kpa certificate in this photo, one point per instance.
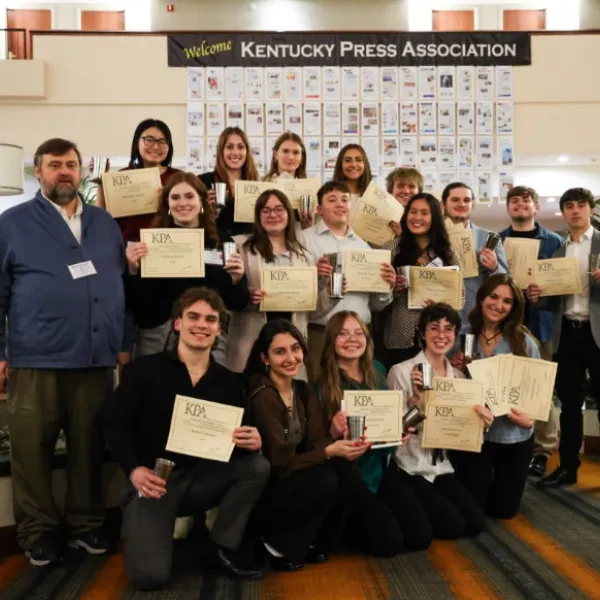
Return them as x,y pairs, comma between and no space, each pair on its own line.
173,252
362,269
382,411
289,289
132,192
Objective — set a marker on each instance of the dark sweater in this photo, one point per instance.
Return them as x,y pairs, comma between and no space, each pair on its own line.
225,220
151,299
269,414
137,418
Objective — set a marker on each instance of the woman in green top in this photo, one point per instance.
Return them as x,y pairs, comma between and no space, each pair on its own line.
347,364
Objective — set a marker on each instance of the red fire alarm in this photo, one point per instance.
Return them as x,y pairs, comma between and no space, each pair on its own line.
170,8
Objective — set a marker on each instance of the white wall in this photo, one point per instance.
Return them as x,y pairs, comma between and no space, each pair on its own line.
560,14
553,181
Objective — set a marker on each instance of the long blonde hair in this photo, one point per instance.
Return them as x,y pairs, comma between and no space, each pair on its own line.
249,170
288,136
330,377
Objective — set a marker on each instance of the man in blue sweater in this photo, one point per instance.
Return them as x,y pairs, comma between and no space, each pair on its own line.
522,204
61,289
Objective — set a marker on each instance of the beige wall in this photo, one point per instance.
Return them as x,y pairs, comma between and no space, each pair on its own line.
99,87
291,15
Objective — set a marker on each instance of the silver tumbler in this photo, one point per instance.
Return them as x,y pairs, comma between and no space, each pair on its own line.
221,192
229,248
162,469
336,285
492,240
427,372
356,427
412,418
467,345
307,203
405,272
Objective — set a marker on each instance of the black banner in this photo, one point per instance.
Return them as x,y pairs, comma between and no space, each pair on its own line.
347,49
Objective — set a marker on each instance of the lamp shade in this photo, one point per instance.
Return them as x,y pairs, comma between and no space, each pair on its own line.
11,170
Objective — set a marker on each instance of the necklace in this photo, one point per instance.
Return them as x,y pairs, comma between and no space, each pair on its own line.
488,340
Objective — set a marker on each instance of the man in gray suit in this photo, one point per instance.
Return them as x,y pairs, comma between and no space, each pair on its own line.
457,202
576,339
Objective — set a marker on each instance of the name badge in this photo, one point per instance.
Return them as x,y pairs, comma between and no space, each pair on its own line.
213,257
82,269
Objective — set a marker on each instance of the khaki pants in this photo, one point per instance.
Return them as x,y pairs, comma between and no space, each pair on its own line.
41,402
316,342
546,434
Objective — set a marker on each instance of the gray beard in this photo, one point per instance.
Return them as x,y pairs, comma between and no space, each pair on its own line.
63,197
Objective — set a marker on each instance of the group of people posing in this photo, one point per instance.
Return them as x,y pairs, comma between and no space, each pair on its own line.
295,486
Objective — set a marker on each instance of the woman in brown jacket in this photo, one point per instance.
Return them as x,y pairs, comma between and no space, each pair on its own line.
305,506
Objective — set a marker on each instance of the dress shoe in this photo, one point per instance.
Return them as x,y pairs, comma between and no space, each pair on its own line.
558,478
223,560
538,464
280,563
46,550
314,556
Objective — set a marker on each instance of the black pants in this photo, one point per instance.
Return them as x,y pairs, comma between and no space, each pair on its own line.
394,356
372,527
577,352
496,477
234,487
311,506
424,510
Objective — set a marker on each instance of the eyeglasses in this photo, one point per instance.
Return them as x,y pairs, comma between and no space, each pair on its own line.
344,335
150,141
267,212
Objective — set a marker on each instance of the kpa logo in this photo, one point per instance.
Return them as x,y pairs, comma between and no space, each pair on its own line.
162,238
545,267
279,276
443,411
195,410
363,401
119,180
369,209
426,275
359,257
444,386
251,188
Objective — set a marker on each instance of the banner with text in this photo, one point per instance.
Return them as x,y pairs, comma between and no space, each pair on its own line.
347,49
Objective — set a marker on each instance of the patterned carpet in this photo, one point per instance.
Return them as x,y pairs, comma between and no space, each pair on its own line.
551,551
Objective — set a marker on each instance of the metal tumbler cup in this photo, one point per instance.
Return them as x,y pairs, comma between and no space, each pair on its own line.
405,272
221,192
492,240
412,418
307,203
162,469
332,259
467,345
356,427
337,285
427,372
100,164
229,248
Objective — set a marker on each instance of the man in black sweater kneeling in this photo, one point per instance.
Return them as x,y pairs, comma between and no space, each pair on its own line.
137,423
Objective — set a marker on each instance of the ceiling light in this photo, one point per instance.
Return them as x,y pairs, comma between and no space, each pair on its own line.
550,199
558,214
563,158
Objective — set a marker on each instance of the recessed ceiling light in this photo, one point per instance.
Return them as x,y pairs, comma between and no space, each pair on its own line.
563,158
558,214
550,199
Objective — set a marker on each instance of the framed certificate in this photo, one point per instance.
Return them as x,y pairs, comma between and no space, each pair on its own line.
202,428
173,252
246,195
289,289
382,411
132,192
362,269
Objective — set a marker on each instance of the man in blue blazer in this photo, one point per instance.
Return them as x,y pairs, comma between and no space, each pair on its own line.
457,202
522,204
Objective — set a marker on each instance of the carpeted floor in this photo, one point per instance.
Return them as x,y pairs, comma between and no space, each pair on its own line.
551,551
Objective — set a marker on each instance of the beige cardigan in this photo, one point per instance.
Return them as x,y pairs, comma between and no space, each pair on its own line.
245,325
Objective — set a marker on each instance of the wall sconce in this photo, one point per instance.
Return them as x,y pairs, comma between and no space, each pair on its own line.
11,170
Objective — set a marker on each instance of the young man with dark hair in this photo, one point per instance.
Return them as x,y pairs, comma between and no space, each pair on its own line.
576,339
457,202
137,423
61,288
332,234
522,205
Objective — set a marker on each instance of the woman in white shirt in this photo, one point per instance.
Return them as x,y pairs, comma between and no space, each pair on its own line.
273,242
428,500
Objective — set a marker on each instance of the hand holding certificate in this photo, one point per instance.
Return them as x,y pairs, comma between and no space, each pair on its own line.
246,194
521,253
461,240
203,429
383,412
452,422
294,189
173,252
362,269
289,289
437,284
132,192
373,213
557,276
